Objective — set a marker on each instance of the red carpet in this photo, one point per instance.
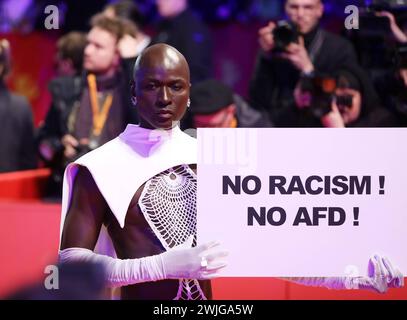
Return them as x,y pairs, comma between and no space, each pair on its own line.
29,242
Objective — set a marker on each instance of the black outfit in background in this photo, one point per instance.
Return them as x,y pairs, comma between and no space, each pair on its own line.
274,80
372,114
192,38
17,148
393,94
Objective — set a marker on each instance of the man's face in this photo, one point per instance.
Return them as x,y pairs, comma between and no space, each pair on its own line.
304,13
220,119
162,91
64,67
101,53
170,8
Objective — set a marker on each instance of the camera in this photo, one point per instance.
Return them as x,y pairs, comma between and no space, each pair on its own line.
322,90
344,101
284,33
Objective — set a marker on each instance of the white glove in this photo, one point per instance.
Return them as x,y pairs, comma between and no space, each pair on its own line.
201,262
381,276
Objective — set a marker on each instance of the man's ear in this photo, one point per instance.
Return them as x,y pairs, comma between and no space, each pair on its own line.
321,9
67,65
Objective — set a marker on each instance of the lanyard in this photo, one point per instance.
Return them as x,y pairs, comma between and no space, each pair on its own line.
99,115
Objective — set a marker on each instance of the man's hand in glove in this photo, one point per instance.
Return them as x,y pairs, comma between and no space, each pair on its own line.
381,276
200,262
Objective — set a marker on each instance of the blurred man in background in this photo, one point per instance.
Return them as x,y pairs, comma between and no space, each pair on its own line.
341,100
69,58
215,105
134,39
181,29
17,148
299,47
90,109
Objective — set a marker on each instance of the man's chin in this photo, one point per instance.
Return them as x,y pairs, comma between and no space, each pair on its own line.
91,69
306,29
167,125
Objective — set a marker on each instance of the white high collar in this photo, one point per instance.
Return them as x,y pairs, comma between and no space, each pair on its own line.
144,140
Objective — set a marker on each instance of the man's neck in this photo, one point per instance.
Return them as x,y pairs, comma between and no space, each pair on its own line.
309,36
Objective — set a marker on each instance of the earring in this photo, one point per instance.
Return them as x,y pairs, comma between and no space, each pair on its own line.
134,101
189,103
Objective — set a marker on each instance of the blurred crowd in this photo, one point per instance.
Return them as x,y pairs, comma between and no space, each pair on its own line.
304,76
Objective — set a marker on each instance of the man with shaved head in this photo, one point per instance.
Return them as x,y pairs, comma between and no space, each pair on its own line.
142,187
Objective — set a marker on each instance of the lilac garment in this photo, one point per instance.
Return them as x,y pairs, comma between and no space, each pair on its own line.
122,165
381,276
337,283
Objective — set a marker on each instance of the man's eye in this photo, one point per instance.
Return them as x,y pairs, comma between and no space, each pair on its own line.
176,87
150,86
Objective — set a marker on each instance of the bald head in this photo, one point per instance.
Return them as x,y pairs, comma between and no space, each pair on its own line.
162,82
160,56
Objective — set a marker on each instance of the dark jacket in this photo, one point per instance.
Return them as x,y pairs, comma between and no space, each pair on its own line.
393,95
247,117
192,38
274,80
17,148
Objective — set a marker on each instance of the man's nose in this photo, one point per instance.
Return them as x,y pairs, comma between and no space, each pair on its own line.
163,98
300,12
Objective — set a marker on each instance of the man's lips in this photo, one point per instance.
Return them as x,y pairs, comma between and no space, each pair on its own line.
164,114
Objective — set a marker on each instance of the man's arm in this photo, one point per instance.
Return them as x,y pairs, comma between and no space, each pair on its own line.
381,276
81,230
85,214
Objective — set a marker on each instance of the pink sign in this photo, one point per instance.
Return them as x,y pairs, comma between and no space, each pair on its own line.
303,202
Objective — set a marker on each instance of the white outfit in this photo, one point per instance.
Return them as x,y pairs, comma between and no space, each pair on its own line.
160,159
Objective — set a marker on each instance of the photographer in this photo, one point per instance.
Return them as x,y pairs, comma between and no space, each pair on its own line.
90,107
315,51
17,149
398,33
345,99
392,87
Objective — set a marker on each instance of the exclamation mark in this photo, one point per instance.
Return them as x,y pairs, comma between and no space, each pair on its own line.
356,216
381,182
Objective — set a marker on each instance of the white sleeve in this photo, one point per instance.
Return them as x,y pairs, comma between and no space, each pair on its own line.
179,262
119,272
381,276
337,283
